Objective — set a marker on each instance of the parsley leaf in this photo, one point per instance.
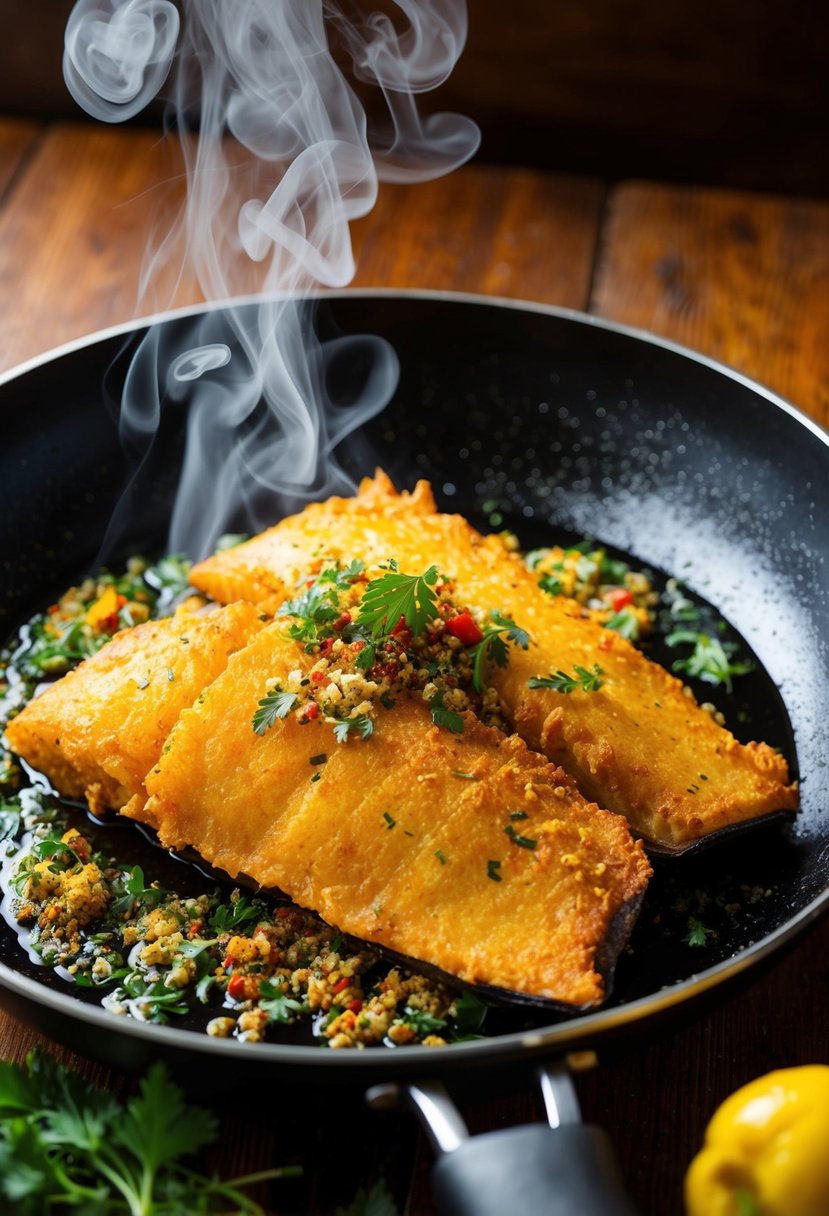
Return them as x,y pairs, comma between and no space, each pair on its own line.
698,933
394,596
277,1004
275,704
361,725
447,718
67,1145
493,646
587,680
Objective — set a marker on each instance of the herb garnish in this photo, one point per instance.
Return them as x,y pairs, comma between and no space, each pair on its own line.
587,680
390,823
361,725
318,606
275,704
277,1002
67,1145
492,870
710,660
394,597
523,842
698,933
447,718
493,645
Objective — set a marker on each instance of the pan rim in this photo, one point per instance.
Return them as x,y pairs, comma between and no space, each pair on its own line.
546,1039
498,302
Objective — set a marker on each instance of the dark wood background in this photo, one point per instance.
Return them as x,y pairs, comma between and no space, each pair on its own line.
719,91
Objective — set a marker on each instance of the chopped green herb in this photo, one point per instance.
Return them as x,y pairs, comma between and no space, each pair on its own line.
466,776
493,646
361,725
625,622
560,681
277,1002
389,821
275,704
523,842
698,933
492,870
447,718
518,815
319,759
710,659
441,856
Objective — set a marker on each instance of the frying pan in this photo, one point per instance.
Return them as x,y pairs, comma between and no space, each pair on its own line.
554,425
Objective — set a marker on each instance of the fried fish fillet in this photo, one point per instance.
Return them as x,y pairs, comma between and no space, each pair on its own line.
466,851
98,731
640,745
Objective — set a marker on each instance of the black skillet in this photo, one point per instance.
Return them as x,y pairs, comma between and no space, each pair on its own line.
550,424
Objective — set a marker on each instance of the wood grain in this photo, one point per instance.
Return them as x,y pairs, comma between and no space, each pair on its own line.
73,233
16,140
743,278
501,232
71,255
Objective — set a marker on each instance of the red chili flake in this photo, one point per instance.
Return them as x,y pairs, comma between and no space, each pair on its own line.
325,647
317,677
606,642
228,962
465,629
284,912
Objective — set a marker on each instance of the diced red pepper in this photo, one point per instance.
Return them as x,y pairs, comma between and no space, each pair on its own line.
317,677
343,619
465,629
618,598
236,987
311,711
355,1006
341,984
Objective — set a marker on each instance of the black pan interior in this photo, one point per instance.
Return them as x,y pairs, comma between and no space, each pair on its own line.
555,427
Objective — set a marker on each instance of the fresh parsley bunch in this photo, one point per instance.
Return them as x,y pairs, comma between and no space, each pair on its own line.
67,1146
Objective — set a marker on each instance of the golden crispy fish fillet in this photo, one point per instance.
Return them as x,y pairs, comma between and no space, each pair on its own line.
640,745
98,731
467,852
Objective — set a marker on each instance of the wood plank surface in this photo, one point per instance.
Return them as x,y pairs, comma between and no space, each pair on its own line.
538,231
118,187
741,277
17,139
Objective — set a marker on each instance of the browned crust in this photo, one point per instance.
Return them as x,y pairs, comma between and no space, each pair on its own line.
640,746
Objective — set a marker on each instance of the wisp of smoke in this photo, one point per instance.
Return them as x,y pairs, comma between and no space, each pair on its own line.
282,159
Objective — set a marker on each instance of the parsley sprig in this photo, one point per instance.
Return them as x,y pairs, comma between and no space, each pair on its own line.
275,704
395,596
586,679
317,607
66,1145
493,646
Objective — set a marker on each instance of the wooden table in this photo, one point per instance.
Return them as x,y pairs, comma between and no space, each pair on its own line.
739,277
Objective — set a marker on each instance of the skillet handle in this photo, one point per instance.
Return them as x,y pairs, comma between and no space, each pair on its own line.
565,1171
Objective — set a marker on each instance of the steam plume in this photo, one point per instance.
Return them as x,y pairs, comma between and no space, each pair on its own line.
283,161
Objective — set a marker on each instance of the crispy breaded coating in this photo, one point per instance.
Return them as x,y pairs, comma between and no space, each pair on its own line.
97,732
640,745
466,851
